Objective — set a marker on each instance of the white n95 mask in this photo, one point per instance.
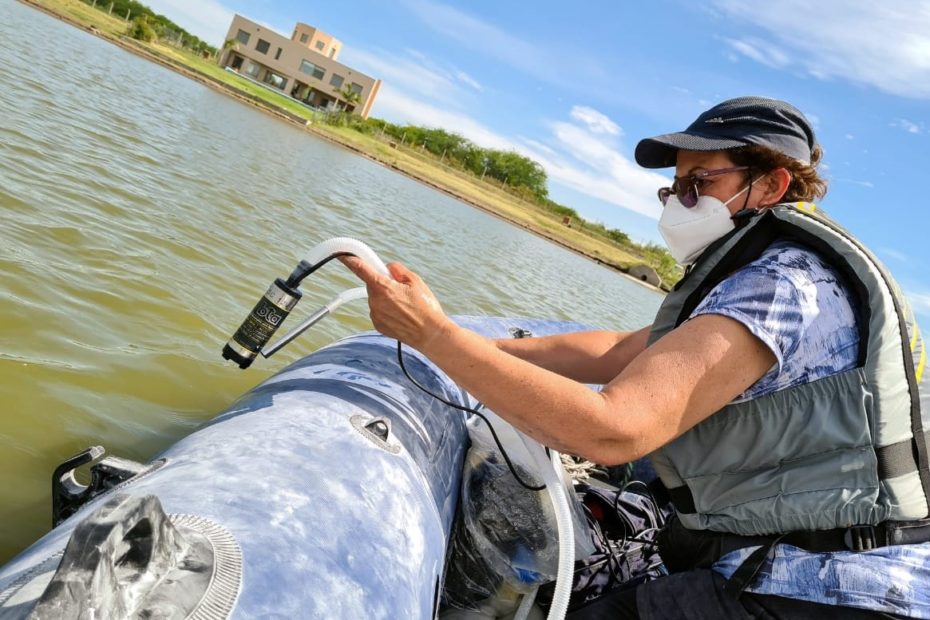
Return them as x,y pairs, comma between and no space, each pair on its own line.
688,232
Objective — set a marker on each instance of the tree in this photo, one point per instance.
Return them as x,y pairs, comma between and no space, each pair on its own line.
157,26
229,44
475,158
516,170
141,30
560,209
666,266
350,96
617,236
440,141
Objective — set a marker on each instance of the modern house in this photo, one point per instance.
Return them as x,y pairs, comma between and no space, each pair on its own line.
305,66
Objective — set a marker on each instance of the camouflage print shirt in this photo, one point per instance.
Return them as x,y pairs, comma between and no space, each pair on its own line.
801,308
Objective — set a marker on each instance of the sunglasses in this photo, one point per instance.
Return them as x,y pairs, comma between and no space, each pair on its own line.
688,187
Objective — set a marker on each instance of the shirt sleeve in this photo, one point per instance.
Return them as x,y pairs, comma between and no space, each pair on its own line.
767,301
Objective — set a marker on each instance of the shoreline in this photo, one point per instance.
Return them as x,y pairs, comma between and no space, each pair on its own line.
140,50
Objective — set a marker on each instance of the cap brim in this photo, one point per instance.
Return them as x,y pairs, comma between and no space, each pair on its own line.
660,151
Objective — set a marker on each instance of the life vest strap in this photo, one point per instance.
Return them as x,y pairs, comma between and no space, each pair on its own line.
683,549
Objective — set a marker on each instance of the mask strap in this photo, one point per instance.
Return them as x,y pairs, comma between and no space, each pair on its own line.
748,187
742,217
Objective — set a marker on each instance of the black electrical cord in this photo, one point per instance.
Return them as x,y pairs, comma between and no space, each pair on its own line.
304,269
400,361
628,523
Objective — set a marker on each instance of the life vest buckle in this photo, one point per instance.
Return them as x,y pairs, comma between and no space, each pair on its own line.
860,537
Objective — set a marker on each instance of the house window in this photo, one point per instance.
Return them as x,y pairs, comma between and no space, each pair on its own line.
304,37
262,46
336,80
277,54
311,69
356,88
253,69
320,45
243,37
276,80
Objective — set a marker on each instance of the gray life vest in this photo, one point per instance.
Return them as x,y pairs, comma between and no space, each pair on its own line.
849,449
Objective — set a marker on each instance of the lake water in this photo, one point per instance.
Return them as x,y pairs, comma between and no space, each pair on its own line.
142,217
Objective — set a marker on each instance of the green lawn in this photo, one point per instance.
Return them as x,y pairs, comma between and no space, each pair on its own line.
86,15
210,68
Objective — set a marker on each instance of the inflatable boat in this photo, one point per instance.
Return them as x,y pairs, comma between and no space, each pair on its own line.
327,491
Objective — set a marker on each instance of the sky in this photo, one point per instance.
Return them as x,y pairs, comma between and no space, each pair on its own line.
575,87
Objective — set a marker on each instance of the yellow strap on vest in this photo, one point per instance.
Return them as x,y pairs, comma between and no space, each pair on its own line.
923,356
806,207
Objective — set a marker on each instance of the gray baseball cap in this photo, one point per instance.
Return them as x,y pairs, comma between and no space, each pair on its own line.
734,123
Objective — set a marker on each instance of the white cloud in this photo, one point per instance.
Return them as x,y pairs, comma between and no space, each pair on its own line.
920,301
468,80
867,184
396,105
475,33
892,253
207,19
447,70
536,146
590,162
760,51
878,44
419,90
596,121
543,62
920,304
906,125
412,72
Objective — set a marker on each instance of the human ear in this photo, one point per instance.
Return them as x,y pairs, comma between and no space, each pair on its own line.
775,185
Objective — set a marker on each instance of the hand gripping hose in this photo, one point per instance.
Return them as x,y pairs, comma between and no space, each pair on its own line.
316,258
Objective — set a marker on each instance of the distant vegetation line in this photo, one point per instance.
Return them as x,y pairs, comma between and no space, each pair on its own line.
521,175
147,25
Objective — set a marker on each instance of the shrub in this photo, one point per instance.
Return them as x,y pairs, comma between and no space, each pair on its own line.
140,29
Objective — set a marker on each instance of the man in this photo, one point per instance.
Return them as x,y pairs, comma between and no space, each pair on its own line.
778,392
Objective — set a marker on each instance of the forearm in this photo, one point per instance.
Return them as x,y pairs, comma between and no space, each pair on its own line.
588,357
553,409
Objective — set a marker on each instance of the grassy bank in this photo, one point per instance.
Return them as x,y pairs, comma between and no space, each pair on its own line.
492,196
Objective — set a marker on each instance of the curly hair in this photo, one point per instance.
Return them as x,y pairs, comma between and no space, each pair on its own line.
806,184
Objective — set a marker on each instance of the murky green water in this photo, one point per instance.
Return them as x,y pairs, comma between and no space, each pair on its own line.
142,217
